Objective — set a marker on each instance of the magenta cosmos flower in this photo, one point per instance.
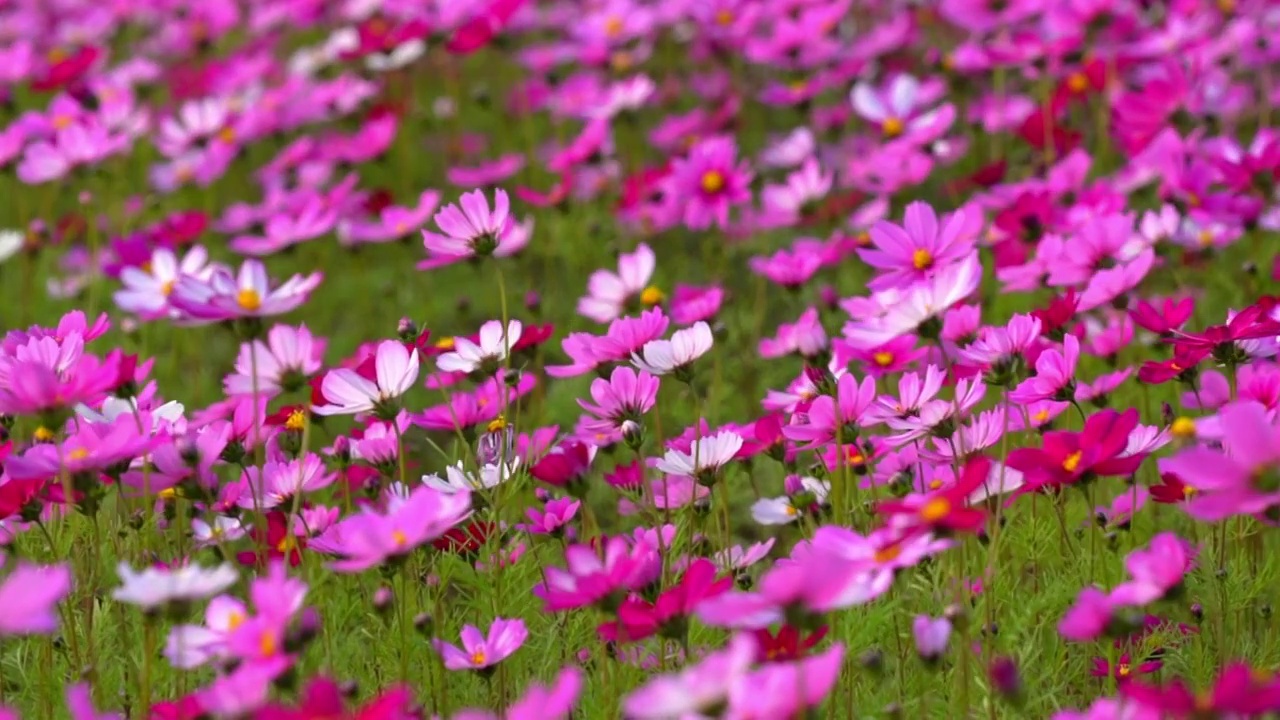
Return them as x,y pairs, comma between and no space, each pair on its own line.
470,229
247,294
369,538
479,652
624,398
1243,478
920,246
30,595
709,182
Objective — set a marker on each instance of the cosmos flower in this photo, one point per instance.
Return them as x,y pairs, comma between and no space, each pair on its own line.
248,294
154,588
471,229
347,392
479,651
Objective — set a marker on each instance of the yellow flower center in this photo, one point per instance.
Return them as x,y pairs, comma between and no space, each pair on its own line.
167,288
791,511
651,296
1077,82
1188,492
78,454
399,538
235,619
61,122
853,457
934,484
1205,238
1184,427
1123,670
935,509
248,299
445,343
621,61
888,553
1227,6
296,420
613,26
42,434
478,658
286,544
1041,416
227,135
168,494
921,259
724,17
268,645
1072,462
892,127
712,182
497,424
863,238
883,358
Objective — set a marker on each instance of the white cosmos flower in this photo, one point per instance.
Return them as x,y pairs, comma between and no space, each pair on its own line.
708,455
659,357
457,479
223,529
155,587
493,348
11,242
401,55
781,510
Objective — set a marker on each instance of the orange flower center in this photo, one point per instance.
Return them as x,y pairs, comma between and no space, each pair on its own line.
1183,427
167,288
1123,670
478,658
268,645
651,296
724,17
399,538
235,620
1077,82
248,299
883,358
613,26
1072,462
42,434
921,259
712,182
892,127
935,509
78,454
888,553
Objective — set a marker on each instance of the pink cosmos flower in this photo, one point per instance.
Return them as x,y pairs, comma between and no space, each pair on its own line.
709,182
786,268
279,480
1055,375
312,219
369,538
1238,480
688,693
922,246
478,651
920,306
348,392
624,398
626,335
30,594
783,689
593,574
222,296
146,290
830,417
472,230
282,364
806,337
1155,571
897,107
32,386
490,173
392,222
693,304
931,636
610,294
